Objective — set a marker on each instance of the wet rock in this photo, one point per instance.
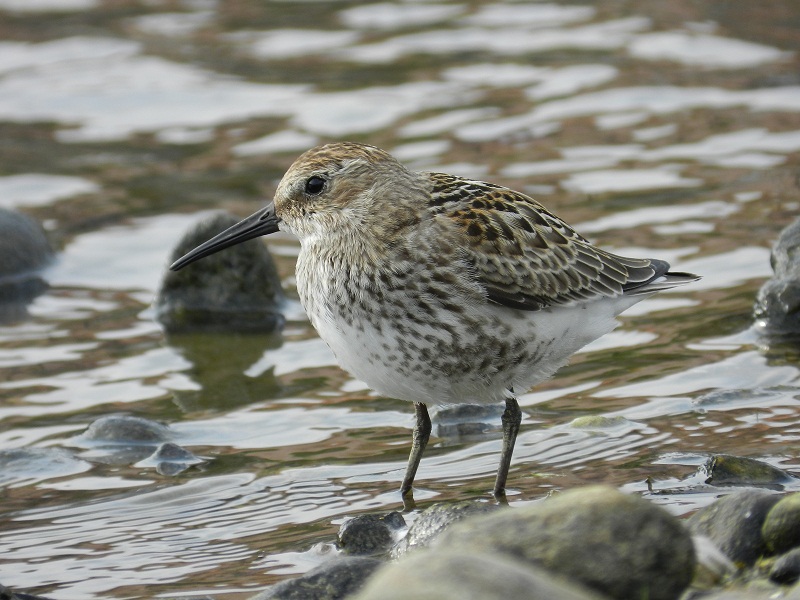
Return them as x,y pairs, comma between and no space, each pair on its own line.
725,469
124,429
9,594
370,534
619,545
781,528
432,521
235,290
24,250
121,439
712,564
457,575
734,524
171,459
777,306
786,569
23,244
336,579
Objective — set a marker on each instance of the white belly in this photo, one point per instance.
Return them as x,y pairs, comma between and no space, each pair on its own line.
434,355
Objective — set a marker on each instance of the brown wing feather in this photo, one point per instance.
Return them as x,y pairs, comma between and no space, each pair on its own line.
524,255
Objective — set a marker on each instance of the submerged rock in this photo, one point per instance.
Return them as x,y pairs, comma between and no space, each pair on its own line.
171,459
451,574
734,524
121,439
9,594
370,534
237,289
124,429
777,306
466,420
25,465
333,580
619,545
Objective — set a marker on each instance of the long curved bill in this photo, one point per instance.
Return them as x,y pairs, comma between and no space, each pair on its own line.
261,223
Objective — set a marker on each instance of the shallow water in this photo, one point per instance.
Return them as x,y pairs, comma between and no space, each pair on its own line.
672,130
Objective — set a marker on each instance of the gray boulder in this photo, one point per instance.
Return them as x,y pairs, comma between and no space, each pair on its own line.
333,580
734,524
781,528
460,575
619,545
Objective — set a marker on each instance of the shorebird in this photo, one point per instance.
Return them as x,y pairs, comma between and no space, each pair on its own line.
436,289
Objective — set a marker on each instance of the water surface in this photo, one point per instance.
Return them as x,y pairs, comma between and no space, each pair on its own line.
669,131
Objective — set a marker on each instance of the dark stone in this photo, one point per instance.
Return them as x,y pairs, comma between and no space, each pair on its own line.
9,594
24,251
777,306
432,521
333,580
619,545
725,469
23,244
781,529
454,575
734,524
370,534
786,569
237,289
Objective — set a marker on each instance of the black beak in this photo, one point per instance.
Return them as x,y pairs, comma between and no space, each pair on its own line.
261,223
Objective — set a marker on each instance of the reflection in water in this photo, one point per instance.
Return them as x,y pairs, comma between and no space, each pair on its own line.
667,133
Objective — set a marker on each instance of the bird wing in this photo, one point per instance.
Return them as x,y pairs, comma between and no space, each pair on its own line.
525,256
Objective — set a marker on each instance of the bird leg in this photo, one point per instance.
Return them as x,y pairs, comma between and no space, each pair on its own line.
512,417
419,439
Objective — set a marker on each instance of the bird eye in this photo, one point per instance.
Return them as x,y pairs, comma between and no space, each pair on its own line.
314,185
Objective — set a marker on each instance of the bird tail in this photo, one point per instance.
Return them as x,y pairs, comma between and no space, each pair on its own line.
666,281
